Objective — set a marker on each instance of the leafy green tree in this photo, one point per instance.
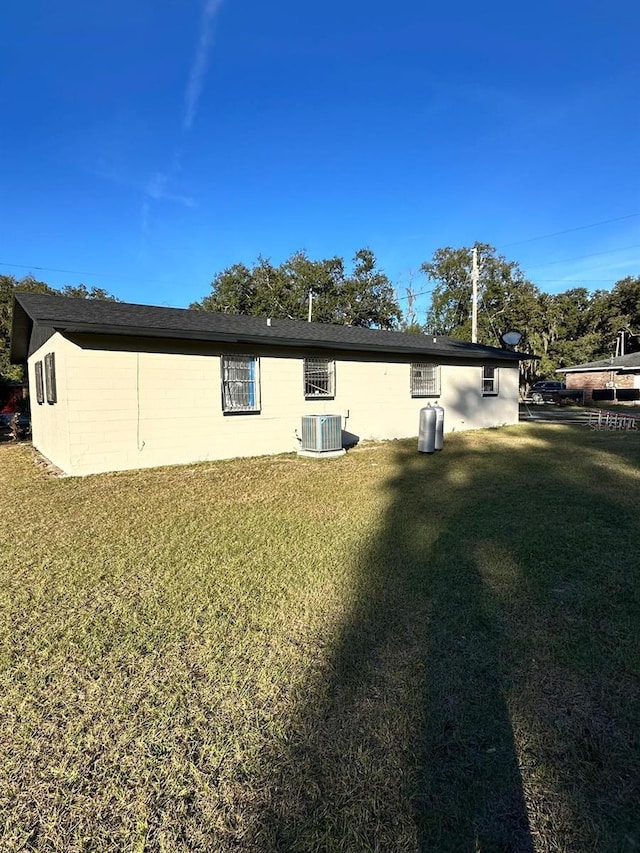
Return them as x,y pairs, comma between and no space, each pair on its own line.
8,286
362,296
568,331
507,301
367,297
563,329
233,292
619,310
81,291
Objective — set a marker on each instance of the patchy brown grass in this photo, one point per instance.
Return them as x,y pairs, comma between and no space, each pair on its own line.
381,652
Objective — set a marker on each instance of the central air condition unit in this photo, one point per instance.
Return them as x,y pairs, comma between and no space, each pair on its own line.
321,433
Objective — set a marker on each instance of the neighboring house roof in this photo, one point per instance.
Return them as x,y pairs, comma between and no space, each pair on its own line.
629,363
92,316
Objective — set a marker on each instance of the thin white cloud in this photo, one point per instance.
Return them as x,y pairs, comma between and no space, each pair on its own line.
200,62
157,190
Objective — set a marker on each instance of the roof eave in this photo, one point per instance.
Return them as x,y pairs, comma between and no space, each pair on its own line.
272,340
21,324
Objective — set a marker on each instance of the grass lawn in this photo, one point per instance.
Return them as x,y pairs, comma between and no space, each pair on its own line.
383,652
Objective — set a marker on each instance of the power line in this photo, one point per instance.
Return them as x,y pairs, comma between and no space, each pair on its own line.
55,269
569,230
421,293
575,280
580,257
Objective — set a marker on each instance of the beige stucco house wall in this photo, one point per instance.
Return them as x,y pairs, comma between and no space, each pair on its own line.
50,422
135,403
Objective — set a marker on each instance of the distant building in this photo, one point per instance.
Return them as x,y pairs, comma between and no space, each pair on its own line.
608,379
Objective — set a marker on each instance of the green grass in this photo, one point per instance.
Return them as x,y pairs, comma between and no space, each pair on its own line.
385,652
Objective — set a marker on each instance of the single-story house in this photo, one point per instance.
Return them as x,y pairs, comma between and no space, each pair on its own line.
116,386
611,378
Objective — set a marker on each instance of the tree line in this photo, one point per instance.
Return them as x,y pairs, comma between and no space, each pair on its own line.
566,328
8,286
572,327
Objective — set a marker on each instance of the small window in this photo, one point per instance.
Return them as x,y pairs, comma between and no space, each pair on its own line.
240,383
425,380
39,383
489,381
50,377
319,377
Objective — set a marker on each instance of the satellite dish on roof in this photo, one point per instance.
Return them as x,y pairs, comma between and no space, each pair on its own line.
511,338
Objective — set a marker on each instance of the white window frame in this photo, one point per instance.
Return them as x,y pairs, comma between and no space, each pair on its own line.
240,383
490,380
319,378
425,385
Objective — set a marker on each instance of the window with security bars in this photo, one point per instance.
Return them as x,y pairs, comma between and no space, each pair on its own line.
39,383
489,381
319,377
240,383
425,380
50,377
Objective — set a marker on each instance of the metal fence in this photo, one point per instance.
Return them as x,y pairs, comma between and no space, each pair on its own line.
602,419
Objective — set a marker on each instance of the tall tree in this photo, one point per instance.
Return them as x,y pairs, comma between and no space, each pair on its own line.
507,300
362,296
563,329
619,311
8,286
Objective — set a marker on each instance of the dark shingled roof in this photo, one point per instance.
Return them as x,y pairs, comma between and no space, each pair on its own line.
620,363
92,316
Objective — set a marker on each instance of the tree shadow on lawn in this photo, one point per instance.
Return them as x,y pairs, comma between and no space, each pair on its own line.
471,621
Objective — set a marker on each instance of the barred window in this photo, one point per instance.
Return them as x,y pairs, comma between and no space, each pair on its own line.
489,381
425,380
50,377
319,377
39,383
240,383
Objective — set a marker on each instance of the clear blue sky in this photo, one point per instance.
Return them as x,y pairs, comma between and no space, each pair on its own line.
149,144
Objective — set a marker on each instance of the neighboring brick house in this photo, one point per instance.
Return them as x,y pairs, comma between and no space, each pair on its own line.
619,376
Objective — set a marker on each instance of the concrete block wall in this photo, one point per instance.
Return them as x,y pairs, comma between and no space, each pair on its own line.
121,408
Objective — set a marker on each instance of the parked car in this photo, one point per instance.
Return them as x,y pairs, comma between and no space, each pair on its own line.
547,392
23,424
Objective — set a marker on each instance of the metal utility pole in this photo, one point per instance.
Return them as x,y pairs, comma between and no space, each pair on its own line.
310,305
474,297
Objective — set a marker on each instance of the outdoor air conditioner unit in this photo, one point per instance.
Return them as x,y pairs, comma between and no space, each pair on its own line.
321,433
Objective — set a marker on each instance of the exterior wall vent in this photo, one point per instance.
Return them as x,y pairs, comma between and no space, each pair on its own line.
321,433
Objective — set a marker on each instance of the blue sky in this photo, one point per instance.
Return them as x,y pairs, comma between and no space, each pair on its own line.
147,145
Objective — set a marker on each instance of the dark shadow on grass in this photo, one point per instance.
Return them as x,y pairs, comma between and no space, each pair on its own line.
406,740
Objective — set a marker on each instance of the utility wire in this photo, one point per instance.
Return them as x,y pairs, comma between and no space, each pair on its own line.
421,293
580,257
70,272
569,230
